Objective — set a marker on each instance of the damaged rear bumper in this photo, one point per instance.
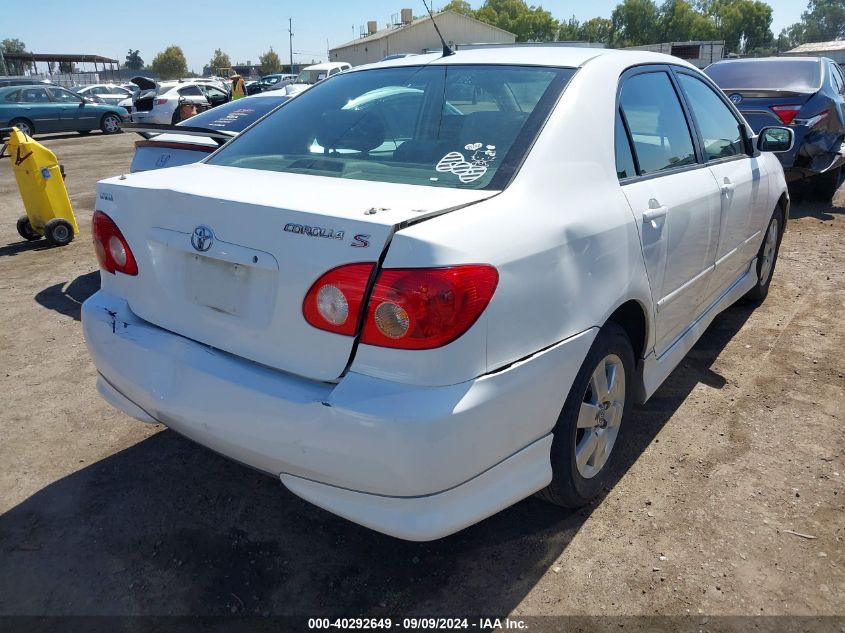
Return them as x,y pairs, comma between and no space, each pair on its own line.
414,462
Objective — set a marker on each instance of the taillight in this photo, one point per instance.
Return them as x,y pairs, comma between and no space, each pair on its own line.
333,303
111,247
786,112
160,101
424,308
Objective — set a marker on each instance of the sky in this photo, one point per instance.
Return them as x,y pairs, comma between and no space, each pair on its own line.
244,30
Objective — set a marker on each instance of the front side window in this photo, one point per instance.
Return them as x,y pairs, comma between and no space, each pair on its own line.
717,125
658,127
65,96
443,126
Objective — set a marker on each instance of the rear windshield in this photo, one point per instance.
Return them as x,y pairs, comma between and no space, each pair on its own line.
794,75
236,116
443,126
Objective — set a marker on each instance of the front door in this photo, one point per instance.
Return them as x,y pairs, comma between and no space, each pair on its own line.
737,175
673,197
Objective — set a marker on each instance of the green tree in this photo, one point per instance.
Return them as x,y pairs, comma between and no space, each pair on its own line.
791,37
679,22
67,67
170,63
529,24
746,22
823,20
570,31
219,60
635,23
597,30
459,6
13,45
133,60
270,62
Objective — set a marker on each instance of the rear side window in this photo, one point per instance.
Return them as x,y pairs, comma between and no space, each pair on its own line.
34,95
624,157
836,76
796,75
190,91
456,126
716,123
658,127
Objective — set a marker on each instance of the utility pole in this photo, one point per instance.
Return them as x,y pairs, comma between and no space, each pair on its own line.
290,32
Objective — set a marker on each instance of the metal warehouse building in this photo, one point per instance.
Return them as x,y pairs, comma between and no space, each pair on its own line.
834,50
698,53
417,36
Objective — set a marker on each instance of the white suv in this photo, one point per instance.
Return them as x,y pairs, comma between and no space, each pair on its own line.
313,74
427,289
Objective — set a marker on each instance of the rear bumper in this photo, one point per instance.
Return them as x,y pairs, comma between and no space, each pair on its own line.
417,463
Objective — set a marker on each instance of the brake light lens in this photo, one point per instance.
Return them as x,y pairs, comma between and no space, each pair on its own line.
786,113
334,301
425,308
113,252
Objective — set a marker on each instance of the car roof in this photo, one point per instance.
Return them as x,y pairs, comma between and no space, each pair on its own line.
326,66
562,56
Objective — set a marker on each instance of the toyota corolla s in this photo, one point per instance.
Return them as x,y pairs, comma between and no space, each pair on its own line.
417,316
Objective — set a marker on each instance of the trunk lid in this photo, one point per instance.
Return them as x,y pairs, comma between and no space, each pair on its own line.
226,255
756,105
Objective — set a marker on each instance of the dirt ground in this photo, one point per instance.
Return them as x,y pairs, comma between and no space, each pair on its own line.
730,499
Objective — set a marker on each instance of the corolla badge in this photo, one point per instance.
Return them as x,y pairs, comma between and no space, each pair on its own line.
736,98
202,238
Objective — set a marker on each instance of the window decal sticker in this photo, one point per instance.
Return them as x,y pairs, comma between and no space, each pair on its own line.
468,170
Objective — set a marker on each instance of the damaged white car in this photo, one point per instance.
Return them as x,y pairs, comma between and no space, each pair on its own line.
422,291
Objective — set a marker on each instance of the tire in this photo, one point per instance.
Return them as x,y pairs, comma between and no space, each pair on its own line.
767,257
83,132
110,124
826,185
580,469
23,125
26,231
58,232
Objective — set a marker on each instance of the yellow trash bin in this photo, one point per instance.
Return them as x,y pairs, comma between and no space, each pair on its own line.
49,213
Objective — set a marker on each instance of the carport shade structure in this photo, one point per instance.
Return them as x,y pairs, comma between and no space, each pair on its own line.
55,58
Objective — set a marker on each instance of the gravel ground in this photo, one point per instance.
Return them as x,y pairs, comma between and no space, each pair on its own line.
729,500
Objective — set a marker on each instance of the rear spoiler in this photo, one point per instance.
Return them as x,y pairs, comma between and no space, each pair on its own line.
764,93
148,130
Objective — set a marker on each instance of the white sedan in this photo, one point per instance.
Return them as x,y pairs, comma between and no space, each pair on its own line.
158,102
417,316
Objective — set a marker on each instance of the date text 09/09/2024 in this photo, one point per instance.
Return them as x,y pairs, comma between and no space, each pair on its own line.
486,624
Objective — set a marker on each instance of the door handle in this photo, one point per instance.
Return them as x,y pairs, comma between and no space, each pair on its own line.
654,213
728,187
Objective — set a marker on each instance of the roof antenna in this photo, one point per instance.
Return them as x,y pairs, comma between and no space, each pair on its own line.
446,50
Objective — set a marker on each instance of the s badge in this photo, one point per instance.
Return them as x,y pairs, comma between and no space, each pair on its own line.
362,240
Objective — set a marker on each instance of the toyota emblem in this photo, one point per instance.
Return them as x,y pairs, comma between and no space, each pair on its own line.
202,238
736,98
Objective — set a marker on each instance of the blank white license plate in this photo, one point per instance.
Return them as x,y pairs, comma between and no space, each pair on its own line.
219,285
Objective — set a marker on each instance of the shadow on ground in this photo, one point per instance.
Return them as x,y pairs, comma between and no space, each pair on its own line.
68,298
14,248
167,527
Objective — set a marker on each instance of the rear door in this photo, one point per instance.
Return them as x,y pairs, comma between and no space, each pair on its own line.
673,196
737,175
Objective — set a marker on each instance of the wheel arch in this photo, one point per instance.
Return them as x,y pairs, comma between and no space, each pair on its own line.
23,118
632,317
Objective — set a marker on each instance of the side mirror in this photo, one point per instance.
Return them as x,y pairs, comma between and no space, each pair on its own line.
775,139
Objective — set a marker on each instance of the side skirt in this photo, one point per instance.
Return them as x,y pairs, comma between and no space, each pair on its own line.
656,369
